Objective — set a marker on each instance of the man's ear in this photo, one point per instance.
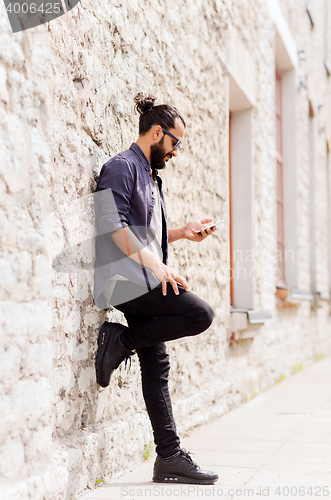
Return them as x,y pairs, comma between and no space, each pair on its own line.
157,132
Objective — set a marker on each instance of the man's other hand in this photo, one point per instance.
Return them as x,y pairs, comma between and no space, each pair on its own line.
165,275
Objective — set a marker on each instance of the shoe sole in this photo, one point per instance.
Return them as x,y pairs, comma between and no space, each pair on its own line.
174,478
102,349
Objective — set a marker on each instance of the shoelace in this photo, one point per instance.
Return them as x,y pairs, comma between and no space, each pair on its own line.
186,455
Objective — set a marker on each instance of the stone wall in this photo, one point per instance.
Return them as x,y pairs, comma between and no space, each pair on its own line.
66,106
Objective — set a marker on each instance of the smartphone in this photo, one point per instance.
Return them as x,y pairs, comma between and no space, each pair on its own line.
212,224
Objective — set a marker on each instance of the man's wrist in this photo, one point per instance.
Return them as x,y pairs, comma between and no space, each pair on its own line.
155,264
176,233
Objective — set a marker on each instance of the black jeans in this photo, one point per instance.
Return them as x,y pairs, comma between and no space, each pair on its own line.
154,319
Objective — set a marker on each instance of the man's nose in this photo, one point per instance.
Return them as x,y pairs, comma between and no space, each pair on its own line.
174,152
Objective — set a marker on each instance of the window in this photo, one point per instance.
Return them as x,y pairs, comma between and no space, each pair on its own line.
280,182
327,63
312,229
230,218
240,209
328,187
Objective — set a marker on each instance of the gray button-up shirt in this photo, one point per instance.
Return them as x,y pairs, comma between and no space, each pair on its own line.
126,199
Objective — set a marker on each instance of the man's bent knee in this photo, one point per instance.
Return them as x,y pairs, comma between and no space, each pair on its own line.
204,317
209,316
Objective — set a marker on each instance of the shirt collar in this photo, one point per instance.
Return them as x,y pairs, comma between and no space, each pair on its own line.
138,151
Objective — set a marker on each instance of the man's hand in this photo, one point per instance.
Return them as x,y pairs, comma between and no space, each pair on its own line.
165,275
190,230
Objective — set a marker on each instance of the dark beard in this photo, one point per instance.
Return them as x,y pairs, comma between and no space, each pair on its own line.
157,156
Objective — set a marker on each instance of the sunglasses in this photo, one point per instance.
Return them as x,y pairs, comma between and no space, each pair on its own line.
178,141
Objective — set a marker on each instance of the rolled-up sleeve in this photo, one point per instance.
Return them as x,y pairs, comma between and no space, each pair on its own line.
114,192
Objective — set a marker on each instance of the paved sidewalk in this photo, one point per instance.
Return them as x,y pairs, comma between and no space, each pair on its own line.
277,446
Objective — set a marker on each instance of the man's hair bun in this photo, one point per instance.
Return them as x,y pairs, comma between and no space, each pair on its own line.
144,103
162,114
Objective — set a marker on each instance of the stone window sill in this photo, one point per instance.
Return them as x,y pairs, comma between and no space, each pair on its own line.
290,297
246,323
319,298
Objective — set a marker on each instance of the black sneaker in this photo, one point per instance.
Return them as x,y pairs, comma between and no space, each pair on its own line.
111,352
181,469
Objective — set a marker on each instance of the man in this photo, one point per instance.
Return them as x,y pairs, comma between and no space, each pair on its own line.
132,274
